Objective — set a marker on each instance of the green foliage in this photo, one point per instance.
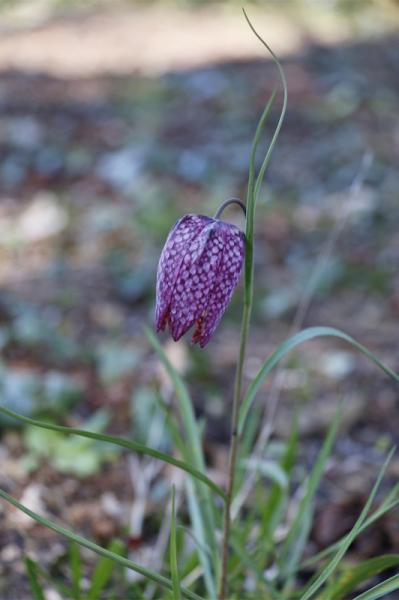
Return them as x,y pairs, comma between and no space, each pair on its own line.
37,590
356,575
200,503
173,552
332,564
380,590
101,576
73,537
103,572
117,441
287,346
79,456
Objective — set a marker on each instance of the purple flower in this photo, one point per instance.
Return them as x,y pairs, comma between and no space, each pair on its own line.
198,270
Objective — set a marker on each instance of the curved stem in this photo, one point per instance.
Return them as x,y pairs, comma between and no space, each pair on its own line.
254,185
227,203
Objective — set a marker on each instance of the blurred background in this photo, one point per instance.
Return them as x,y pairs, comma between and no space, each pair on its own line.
115,119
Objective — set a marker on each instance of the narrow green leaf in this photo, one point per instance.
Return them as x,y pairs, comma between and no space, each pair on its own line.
354,576
193,453
276,500
385,507
185,404
255,144
251,203
349,538
63,589
248,562
269,469
197,520
103,571
290,344
76,570
36,588
125,562
118,441
269,152
191,535
300,527
380,590
194,507
254,186
173,552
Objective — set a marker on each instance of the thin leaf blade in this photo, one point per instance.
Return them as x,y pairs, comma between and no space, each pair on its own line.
380,590
352,578
349,538
291,343
76,570
119,441
300,527
173,551
125,562
103,571
193,452
36,588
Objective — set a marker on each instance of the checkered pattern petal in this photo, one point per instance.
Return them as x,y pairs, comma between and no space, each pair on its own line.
199,268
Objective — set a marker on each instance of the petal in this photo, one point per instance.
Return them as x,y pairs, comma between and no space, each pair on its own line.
226,280
177,243
196,279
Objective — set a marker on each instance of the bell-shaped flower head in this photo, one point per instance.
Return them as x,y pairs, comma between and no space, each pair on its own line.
199,268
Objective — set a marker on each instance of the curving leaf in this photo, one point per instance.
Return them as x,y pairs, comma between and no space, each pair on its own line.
353,577
290,344
117,441
74,537
299,531
103,572
204,519
173,552
36,589
329,568
380,590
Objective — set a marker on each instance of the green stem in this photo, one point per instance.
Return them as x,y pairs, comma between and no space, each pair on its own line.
254,186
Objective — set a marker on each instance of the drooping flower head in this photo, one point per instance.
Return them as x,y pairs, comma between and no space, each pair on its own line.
199,268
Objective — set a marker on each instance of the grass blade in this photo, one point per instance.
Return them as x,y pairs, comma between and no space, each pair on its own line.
36,588
300,527
173,552
266,160
192,453
349,538
118,441
76,570
255,185
277,497
377,514
290,344
194,507
103,571
380,590
185,404
353,577
251,202
125,562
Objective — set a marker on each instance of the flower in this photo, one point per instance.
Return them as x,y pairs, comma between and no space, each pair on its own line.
199,268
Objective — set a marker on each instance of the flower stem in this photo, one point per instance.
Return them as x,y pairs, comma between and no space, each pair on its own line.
227,203
254,186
